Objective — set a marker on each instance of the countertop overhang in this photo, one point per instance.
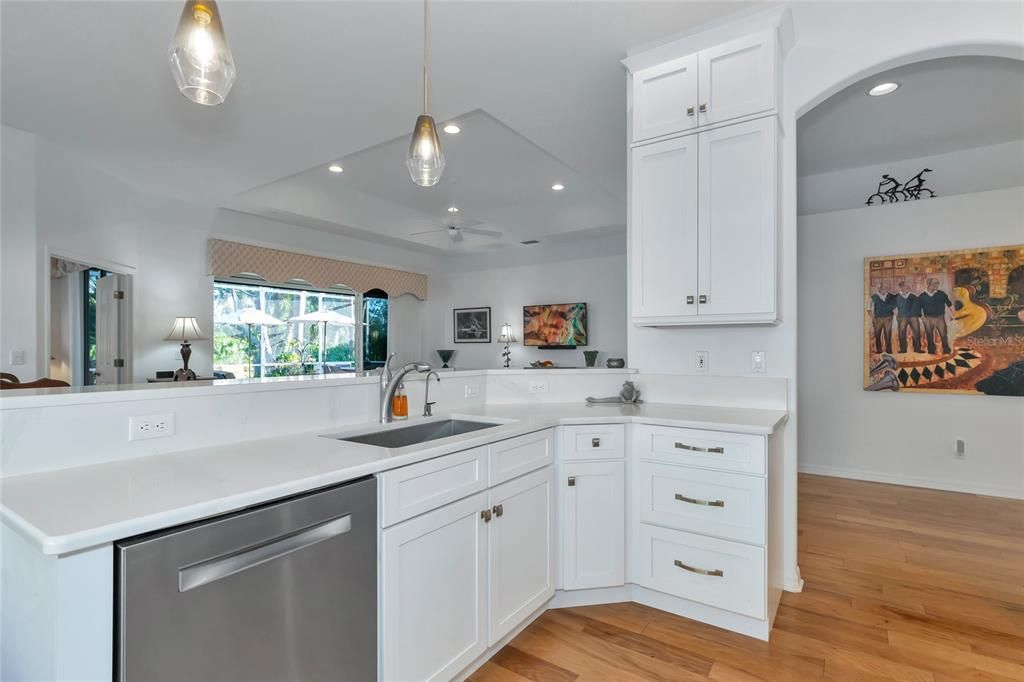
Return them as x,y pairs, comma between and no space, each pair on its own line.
69,510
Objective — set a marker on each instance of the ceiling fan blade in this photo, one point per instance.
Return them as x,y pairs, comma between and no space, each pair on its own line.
485,233
418,234
467,223
456,235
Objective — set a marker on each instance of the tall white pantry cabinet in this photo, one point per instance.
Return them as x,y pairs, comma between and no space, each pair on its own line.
703,191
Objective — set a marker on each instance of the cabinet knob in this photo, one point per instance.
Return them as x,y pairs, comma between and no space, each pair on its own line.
486,515
689,300
703,299
498,509
689,111
703,107
595,442
572,481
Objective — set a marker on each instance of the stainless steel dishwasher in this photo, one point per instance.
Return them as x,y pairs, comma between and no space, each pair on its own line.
283,591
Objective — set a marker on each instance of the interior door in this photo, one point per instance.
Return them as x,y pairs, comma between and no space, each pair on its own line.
108,329
593,524
521,560
434,586
663,229
665,98
737,78
738,219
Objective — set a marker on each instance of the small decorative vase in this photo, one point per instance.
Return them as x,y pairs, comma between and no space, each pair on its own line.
590,356
616,363
446,356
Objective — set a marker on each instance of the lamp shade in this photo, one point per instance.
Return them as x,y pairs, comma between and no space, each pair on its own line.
506,334
185,329
326,316
257,317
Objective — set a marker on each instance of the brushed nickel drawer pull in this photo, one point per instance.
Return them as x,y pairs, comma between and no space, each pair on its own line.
704,107
694,500
699,571
486,515
689,300
689,111
697,448
595,442
572,481
498,509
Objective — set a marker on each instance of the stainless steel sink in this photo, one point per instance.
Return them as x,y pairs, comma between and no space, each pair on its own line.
418,433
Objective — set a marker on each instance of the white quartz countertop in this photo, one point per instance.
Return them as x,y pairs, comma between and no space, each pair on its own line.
73,509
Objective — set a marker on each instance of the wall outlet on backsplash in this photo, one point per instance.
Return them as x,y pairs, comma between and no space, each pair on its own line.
472,390
538,386
151,426
700,361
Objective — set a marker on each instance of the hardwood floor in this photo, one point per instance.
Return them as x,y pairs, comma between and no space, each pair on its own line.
901,584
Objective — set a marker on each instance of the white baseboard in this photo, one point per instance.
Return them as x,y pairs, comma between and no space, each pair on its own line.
912,481
794,583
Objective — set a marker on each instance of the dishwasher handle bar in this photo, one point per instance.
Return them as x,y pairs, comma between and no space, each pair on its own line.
214,569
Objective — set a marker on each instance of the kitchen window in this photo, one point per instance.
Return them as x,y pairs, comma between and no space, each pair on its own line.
293,347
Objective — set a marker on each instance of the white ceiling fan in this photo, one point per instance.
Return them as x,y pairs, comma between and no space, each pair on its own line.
455,230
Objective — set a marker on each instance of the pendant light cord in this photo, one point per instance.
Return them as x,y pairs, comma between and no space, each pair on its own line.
426,57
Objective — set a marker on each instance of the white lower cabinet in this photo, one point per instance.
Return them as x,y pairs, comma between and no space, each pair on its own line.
433,592
592,524
520,548
456,579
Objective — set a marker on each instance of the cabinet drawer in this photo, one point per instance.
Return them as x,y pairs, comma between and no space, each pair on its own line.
726,505
708,449
593,442
719,573
418,488
516,456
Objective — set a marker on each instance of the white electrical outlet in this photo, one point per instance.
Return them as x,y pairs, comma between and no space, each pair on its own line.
757,363
472,390
151,426
18,357
960,448
700,362
538,386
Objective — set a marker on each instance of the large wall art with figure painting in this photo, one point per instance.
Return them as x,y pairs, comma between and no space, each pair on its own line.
951,321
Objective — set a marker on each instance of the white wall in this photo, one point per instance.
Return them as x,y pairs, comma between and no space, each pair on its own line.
599,281
20,325
961,172
897,437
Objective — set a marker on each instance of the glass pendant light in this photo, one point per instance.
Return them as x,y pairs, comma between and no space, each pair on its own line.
426,158
199,55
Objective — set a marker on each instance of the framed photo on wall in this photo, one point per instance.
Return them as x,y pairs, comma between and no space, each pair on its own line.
472,325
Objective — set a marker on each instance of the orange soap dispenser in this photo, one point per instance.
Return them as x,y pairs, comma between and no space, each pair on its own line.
400,403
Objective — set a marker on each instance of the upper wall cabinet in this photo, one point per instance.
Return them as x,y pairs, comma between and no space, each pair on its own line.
665,99
722,83
703,191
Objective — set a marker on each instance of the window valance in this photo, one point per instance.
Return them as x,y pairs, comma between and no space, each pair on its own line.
231,259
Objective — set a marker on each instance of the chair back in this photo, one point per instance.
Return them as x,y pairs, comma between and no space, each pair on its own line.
45,382
7,377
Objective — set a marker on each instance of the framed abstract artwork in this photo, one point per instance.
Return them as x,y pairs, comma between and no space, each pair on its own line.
949,321
472,325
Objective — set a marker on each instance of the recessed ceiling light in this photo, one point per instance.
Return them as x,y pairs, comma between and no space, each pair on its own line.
883,89
453,209
335,168
452,129
558,187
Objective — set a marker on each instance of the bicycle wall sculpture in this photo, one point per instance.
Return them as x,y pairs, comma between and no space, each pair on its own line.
890,190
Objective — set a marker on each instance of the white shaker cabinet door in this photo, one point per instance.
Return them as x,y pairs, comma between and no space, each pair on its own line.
665,98
521,548
593,524
663,231
434,591
737,78
738,221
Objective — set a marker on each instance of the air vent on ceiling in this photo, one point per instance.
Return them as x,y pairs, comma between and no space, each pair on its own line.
531,241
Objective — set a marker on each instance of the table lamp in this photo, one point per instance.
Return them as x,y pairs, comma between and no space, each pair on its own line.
507,338
185,329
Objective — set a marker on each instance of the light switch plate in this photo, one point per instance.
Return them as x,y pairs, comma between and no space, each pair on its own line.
757,362
700,361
